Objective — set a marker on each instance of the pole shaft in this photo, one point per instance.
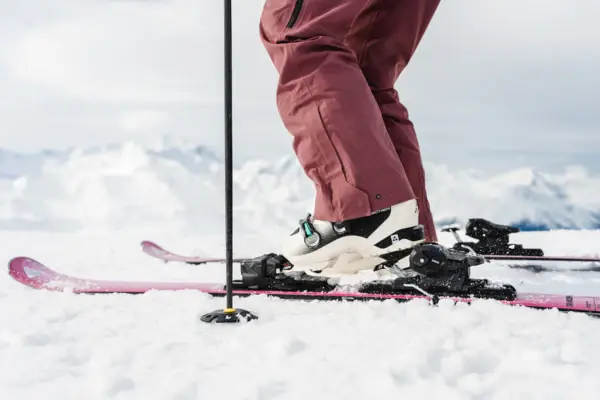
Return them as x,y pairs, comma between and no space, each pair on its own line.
229,151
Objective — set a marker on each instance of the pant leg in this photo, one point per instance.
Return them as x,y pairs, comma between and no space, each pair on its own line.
383,47
339,134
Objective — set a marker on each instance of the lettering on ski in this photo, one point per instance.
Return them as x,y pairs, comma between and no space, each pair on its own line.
34,274
569,301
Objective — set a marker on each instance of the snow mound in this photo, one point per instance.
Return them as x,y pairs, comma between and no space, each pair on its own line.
180,187
528,198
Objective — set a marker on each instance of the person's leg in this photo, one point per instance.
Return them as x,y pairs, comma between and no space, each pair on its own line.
383,46
340,137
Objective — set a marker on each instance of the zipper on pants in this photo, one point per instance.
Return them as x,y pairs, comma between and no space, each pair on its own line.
295,13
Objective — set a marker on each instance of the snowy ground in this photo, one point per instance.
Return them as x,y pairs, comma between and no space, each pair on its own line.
62,346
75,210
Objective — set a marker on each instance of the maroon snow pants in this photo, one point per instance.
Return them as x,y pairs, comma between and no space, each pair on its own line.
338,61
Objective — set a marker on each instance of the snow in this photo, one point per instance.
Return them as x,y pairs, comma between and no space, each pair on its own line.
179,186
84,212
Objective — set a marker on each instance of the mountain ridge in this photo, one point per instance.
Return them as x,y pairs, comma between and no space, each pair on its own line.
129,183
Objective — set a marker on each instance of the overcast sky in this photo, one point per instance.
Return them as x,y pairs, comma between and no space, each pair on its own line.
506,80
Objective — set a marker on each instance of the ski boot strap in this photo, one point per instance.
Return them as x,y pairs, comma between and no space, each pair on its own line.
312,238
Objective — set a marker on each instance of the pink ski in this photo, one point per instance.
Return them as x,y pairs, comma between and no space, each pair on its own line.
33,274
542,258
160,253
156,251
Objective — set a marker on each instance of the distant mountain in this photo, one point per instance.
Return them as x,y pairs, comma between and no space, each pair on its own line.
129,185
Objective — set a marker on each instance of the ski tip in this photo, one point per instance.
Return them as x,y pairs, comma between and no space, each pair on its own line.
147,244
152,249
30,272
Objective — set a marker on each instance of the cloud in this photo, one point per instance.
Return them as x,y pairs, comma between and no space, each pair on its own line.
127,52
510,74
144,120
497,76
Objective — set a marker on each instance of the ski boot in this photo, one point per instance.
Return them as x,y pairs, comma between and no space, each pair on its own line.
336,249
493,239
